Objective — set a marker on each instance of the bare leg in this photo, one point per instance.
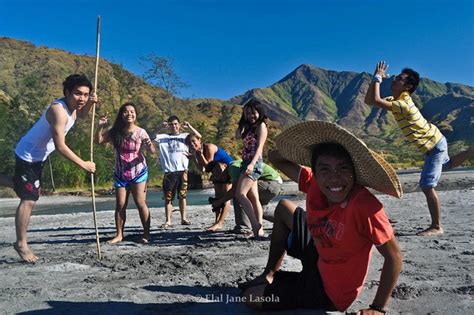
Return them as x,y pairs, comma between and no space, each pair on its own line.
22,220
435,212
6,181
139,196
168,211
121,202
282,227
257,206
220,189
244,184
459,158
182,210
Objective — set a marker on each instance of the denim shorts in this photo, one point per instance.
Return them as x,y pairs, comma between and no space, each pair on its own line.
125,183
436,160
257,170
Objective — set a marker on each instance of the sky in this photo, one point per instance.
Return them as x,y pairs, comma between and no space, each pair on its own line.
222,48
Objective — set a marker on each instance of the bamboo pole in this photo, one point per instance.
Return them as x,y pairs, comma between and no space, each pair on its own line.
99,256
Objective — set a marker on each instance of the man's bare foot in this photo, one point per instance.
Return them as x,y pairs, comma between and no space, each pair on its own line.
215,227
115,240
25,253
431,231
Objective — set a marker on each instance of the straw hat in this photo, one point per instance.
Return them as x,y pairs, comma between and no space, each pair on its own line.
296,143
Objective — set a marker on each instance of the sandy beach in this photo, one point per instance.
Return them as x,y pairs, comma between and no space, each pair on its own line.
185,270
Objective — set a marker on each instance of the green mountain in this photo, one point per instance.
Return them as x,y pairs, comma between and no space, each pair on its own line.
31,77
313,93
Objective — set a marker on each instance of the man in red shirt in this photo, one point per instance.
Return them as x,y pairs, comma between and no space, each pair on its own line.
334,237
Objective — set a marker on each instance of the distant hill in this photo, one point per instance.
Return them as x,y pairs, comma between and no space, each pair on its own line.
314,93
31,77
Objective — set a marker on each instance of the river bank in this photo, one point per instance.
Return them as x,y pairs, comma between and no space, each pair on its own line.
185,270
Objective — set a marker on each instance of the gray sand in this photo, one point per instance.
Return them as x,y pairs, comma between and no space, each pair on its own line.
186,270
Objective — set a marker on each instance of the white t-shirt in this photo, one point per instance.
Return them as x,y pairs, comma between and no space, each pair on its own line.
173,152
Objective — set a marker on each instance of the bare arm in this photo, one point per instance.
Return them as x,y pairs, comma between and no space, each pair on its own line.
84,112
188,125
390,271
238,133
57,119
290,169
226,197
150,147
102,136
372,97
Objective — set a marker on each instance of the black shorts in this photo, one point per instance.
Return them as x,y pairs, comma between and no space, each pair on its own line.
27,179
292,290
175,182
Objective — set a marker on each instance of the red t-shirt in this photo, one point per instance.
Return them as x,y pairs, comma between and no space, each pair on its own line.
344,237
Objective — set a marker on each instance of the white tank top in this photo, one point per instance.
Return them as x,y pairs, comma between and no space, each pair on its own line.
38,142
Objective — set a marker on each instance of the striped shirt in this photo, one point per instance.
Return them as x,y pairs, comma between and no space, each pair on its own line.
129,160
414,126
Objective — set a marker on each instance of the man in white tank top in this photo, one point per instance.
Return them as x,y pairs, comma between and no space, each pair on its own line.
46,135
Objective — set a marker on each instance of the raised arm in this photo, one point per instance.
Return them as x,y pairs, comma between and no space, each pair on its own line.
188,125
84,112
372,97
290,169
57,119
101,135
388,278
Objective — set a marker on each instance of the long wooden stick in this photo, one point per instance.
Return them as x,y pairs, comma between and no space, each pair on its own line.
99,256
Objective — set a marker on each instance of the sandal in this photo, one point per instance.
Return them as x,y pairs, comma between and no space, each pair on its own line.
166,226
185,222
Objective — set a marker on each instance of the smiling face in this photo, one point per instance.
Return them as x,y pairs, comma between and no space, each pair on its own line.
195,143
335,177
174,126
77,98
129,115
251,115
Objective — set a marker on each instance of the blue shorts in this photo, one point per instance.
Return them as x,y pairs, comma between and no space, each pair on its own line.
436,160
257,170
121,182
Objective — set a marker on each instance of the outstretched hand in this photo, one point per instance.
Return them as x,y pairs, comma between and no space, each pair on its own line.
104,120
381,69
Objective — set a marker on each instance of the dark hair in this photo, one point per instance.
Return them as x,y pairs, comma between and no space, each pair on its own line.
262,116
117,132
412,78
329,149
171,118
187,140
210,166
75,80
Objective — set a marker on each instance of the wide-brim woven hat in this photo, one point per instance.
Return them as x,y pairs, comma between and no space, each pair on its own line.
296,144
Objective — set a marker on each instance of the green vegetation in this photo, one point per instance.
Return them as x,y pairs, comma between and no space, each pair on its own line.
31,77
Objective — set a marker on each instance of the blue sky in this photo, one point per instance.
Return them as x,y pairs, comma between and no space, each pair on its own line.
222,48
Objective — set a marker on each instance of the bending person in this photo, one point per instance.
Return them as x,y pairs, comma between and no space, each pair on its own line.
417,130
131,170
204,154
46,135
269,185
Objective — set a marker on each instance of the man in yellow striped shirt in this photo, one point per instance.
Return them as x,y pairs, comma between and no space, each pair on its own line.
418,131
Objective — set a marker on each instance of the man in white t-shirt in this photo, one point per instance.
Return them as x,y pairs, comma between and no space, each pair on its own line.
174,163
45,136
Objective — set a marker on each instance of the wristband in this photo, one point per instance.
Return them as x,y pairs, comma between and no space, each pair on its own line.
376,308
378,78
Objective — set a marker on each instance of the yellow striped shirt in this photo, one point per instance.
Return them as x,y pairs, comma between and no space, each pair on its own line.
414,126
